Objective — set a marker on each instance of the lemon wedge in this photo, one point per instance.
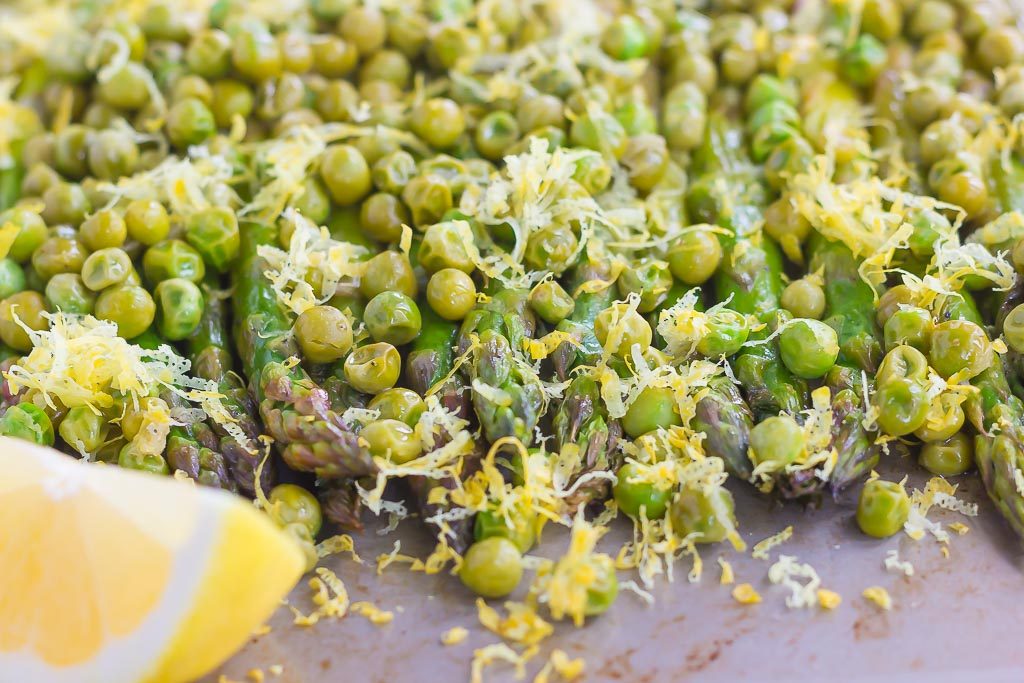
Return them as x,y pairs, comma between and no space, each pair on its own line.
112,575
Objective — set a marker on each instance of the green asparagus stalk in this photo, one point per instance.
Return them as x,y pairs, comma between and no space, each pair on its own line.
726,421
191,448
580,323
729,193
431,355
506,396
998,416
850,311
212,359
581,424
295,411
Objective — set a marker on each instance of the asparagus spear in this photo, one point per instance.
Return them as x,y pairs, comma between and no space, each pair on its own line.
998,416
581,424
430,357
850,311
728,192
295,411
211,355
580,323
191,448
506,398
726,421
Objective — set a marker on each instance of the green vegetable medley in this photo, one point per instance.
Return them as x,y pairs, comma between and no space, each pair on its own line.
519,263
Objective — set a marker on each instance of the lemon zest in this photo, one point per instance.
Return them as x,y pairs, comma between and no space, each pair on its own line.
454,636
728,577
762,548
745,594
879,596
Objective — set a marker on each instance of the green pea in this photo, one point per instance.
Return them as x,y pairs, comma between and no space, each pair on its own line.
438,121
209,53
147,221
1013,329
637,117
646,159
521,531
59,255
765,89
389,271
599,131
392,317
130,307
552,248
179,308
695,256
131,458
313,202
891,301
231,98
950,457
292,504
67,293
911,326
323,333
727,332
255,54
809,348
126,88
804,298
625,38
443,247
945,418
960,346
105,268
31,232
373,368
104,229
393,171
551,302
391,439
902,404
621,327
428,197
902,361
398,404
495,133
942,139
492,567
709,514
634,496
12,278
593,172
213,232
883,508
83,429
28,422
776,442
539,110
864,60
64,203
653,408
170,259
71,151
189,122
451,293
112,154
345,173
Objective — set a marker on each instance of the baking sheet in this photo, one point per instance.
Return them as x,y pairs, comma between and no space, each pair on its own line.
955,619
